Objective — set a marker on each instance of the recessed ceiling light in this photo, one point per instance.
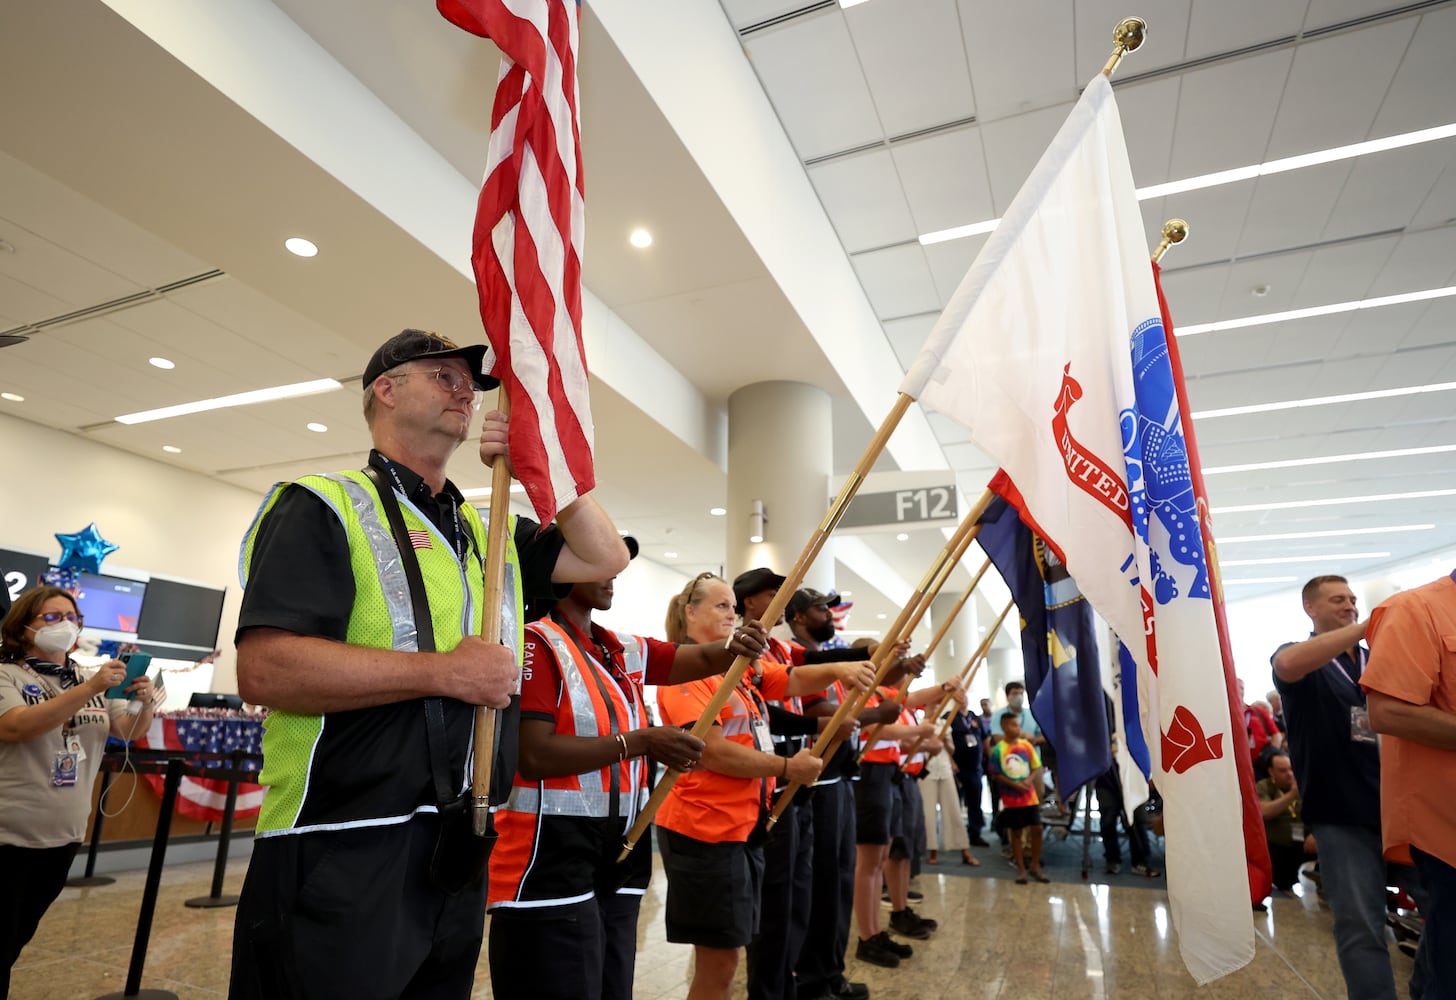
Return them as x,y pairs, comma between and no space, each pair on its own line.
300,247
12,397
669,555
1349,397
717,511
1282,560
983,628
317,427
882,616
902,537
171,449
846,593
1333,501
236,399
162,363
1236,174
1290,536
755,539
640,238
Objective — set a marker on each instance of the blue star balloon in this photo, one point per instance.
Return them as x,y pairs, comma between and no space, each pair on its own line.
85,549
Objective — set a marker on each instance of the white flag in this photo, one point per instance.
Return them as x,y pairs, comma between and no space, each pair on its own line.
1052,354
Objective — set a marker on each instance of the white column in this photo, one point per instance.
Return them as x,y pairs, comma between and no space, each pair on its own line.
780,455
959,643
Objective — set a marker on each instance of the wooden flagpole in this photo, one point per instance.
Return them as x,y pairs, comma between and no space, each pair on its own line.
828,739
776,607
495,580
869,737
973,666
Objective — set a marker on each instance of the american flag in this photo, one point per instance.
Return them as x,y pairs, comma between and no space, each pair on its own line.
420,539
529,231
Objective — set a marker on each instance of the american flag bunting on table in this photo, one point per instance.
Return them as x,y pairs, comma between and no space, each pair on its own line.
204,799
1051,352
529,235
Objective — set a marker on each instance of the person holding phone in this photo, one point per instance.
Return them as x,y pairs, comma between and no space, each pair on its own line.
53,726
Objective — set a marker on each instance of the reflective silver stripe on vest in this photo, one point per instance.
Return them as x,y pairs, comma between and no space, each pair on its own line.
632,659
585,713
589,804
510,614
386,561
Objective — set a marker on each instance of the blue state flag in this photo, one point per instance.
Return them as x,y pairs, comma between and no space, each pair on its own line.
1058,646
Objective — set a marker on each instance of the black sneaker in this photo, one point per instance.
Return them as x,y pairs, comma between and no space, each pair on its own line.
925,922
894,947
874,952
843,989
905,924
979,842
915,897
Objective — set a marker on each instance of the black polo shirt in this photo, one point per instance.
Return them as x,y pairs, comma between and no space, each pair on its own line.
1339,778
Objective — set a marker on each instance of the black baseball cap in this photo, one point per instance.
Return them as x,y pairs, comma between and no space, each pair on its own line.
807,598
413,345
755,581
632,547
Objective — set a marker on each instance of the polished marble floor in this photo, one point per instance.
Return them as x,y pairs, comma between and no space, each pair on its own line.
1067,940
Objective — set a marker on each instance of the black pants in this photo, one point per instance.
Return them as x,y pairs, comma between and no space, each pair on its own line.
1285,860
586,951
1110,812
821,960
34,877
788,876
969,779
352,913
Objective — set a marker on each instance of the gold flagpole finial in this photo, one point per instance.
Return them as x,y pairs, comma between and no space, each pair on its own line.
1129,37
1174,231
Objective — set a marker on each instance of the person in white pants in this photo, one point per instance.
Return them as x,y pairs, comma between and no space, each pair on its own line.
940,793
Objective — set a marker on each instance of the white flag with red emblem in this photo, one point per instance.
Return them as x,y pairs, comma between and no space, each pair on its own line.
529,232
1052,354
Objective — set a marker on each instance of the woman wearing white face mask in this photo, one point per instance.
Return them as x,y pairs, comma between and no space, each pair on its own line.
53,727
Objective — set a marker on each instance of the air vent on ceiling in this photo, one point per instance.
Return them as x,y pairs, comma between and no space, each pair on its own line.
19,333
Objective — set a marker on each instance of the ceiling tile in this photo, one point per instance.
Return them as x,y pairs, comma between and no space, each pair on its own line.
1147,111
915,62
819,91
1327,101
1097,19
1215,219
1323,13
864,199
1439,208
1290,209
1420,260
907,336
945,179
1420,95
949,263
1014,70
897,281
1226,113
1227,25
1013,147
1342,272
1384,191
746,12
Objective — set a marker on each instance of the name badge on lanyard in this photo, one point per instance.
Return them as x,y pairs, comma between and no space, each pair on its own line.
64,773
762,739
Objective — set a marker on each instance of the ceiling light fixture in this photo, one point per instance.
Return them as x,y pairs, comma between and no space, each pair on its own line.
12,397
1333,501
1349,397
317,427
846,593
1290,536
640,238
300,247
717,511
902,537
882,616
171,449
669,555
237,399
1264,319
1283,560
162,363
1234,175
1291,463
757,520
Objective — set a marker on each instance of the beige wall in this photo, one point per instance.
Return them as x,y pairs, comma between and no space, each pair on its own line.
167,520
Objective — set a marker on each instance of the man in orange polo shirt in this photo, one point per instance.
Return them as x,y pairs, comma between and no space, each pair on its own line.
1410,685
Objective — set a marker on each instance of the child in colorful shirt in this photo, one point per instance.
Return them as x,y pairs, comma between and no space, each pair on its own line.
1017,769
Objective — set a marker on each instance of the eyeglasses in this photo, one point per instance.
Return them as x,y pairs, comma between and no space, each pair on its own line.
450,380
51,617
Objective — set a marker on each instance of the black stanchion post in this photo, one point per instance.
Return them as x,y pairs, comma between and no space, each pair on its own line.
149,893
215,898
91,878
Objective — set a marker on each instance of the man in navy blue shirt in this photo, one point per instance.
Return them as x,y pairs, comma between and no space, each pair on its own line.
1337,765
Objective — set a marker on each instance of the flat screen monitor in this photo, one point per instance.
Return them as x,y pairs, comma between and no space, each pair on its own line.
180,613
111,602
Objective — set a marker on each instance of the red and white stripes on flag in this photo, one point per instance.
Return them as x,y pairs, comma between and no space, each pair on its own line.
529,232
